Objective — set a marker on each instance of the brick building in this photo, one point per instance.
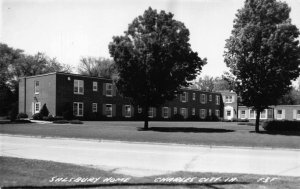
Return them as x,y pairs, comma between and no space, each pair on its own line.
95,96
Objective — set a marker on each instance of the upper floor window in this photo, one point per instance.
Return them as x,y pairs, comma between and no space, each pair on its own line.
127,111
217,100
228,99
184,97
95,86
94,107
203,98
109,89
210,98
36,87
194,96
78,86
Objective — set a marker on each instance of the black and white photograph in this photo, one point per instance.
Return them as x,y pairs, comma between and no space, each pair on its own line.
150,94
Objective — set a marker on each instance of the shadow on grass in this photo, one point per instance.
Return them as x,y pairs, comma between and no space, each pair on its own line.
186,130
287,133
158,185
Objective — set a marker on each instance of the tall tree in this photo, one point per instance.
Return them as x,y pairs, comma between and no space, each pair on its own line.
205,83
263,53
97,67
154,59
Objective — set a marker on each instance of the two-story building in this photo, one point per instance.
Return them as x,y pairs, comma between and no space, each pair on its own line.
230,105
95,96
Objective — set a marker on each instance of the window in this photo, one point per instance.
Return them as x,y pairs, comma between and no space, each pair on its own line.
218,113
139,110
202,113
228,113
37,107
193,111
209,112
36,87
165,112
95,107
210,97
202,98
183,112
217,100
78,109
175,110
252,114
78,86
194,96
279,114
109,89
95,86
228,99
151,112
183,97
298,114
108,110
243,114
263,114
127,111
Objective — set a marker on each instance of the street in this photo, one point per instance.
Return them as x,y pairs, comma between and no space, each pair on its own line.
146,159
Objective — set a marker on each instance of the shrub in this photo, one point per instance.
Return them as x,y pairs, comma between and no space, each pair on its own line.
194,118
75,122
22,116
61,121
49,118
44,111
37,116
177,117
282,126
14,112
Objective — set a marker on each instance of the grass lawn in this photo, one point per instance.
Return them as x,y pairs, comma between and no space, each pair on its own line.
200,133
16,172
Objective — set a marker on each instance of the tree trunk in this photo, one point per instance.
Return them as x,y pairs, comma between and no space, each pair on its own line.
146,119
257,122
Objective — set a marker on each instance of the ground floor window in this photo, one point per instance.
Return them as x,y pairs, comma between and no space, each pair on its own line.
165,112
298,114
139,110
228,113
243,114
95,107
209,112
37,107
151,112
108,110
127,111
263,114
193,111
78,108
183,112
218,113
279,114
175,110
252,114
202,113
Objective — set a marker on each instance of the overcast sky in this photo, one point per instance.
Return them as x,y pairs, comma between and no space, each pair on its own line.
71,29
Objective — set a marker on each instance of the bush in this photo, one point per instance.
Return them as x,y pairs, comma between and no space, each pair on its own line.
37,116
14,112
193,118
282,126
177,117
75,122
61,121
22,116
44,111
49,118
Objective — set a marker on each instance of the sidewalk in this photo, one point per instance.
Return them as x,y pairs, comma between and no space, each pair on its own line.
137,159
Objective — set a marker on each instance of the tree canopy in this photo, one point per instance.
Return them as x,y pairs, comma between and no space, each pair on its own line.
263,53
154,59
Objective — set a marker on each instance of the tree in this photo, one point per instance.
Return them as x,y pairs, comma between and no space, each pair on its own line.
291,98
263,53
206,83
97,67
154,59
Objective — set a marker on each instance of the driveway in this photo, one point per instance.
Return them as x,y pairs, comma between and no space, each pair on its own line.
147,159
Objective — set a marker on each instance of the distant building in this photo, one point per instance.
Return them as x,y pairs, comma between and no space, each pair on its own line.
230,104
91,97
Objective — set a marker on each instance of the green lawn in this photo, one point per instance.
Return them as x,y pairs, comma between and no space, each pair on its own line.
200,133
16,172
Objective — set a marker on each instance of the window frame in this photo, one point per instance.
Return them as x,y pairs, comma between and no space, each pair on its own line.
265,114
243,115
210,98
39,105
111,110
185,110
151,112
217,100
203,98
175,110
298,114
125,110
281,114
202,113
194,96
94,108
167,112
183,97
193,111
217,112
78,109
78,82
107,89
228,99
95,86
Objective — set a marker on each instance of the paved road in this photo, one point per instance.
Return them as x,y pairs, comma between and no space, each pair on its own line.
144,159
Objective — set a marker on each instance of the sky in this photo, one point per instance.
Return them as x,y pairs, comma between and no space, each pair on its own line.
71,29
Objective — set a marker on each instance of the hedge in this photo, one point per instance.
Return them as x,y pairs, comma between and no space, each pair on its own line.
282,125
